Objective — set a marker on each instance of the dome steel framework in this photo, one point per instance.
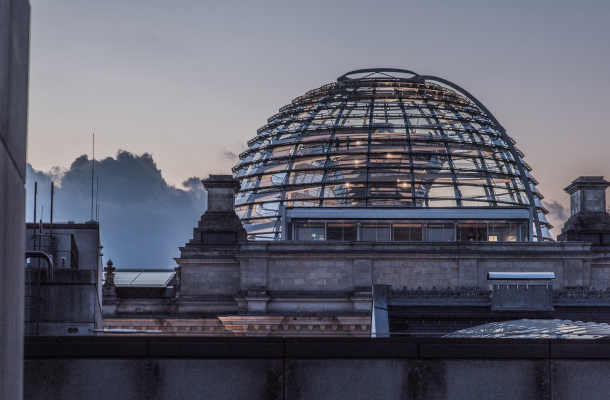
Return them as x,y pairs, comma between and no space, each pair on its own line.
382,138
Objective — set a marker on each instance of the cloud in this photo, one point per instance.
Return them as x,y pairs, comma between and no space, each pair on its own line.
557,211
233,154
229,155
143,220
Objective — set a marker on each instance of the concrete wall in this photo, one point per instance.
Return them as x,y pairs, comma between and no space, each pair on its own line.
71,302
290,369
14,59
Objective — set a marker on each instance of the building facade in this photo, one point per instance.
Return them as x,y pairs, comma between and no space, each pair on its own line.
377,179
65,300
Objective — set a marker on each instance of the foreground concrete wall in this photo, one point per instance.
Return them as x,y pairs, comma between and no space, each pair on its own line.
291,369
14,54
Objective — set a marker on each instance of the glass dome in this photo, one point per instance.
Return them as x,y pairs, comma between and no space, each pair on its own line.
382,138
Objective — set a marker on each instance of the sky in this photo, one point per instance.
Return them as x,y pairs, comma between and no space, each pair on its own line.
188,83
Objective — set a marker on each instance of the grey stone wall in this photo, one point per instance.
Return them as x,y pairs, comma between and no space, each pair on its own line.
14,60
291,369
348,266
331,278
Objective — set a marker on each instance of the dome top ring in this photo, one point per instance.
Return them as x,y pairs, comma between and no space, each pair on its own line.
344,77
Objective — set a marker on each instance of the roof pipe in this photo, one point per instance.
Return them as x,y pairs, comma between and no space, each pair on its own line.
42,254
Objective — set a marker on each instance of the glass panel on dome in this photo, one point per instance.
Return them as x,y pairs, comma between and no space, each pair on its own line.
265,210
298,178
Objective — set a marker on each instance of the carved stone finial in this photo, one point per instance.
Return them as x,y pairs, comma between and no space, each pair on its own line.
109,287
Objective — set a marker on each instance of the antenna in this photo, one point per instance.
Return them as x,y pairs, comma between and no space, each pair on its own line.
92,175
35,196
97,195
51,220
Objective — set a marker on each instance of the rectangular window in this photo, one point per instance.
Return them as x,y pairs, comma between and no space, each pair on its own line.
350,232
505,231
316,231
301,231
375,232
440,232
472,232
407,232
383,232
341,231
308,231
334,231
368,232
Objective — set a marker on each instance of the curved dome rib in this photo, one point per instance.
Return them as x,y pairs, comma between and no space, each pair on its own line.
382,141
501,129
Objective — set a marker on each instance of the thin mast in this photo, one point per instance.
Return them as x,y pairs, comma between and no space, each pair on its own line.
92,175
51,219
35,196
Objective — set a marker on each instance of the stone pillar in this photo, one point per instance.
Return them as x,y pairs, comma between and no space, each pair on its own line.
208,266
589,220
220,225
14,60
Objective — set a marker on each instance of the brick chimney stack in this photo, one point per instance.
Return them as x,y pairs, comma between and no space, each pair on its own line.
589,221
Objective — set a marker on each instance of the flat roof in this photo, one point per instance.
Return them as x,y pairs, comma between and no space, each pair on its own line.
143,278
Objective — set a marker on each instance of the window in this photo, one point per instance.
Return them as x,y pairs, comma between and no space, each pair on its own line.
375,232
472,232
407,232
341,231
317,231
301,231
505,231
307,231
440,232
410,231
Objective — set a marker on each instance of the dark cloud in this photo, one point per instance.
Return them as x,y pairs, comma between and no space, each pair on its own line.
143,219
229,155
557,211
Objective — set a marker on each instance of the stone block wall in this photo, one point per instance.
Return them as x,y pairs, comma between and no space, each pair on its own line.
219,278
303,274
600,276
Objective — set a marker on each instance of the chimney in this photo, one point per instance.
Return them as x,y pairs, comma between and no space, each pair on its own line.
589,221
220,225
221,192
